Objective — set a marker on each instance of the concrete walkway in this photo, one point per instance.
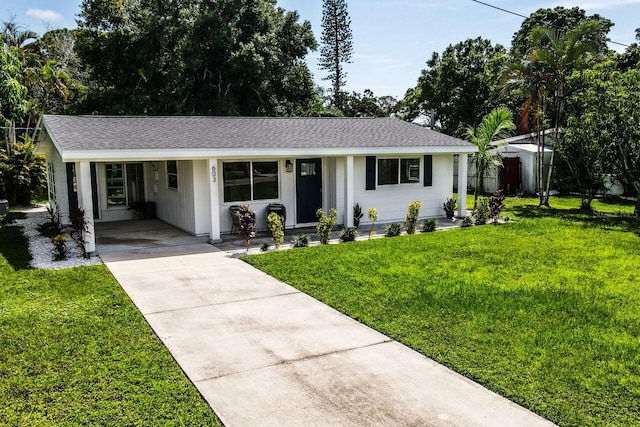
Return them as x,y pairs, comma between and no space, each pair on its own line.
263,353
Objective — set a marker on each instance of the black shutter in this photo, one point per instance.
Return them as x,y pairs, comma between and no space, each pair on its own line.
94,190
371,172
428,171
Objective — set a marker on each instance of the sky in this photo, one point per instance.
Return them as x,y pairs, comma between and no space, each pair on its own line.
392,39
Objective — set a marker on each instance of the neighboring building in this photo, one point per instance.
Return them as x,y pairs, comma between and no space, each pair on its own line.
520,163
195,168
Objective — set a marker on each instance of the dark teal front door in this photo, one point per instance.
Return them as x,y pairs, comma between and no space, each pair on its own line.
308,189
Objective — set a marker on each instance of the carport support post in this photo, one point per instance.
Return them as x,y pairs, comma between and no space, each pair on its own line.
463,166
214,176
85,201
348,192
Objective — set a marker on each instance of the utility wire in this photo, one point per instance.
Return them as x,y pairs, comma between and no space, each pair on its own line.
525,17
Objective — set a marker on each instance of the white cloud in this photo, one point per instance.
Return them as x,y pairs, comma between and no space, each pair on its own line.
45,14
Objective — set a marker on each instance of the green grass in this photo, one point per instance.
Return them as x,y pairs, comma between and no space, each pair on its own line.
74,350
611,205
543,310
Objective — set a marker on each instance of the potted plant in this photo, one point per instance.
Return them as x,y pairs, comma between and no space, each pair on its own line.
247,224
449,208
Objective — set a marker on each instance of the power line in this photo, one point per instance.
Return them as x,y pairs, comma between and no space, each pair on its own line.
499,8
525,17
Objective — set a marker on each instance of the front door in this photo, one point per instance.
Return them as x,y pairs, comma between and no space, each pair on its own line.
308,189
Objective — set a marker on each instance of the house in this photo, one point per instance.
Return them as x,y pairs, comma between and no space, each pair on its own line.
194,168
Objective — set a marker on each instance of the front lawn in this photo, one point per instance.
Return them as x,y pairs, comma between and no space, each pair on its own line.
544,311
74,350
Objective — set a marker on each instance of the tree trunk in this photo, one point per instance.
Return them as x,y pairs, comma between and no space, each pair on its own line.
587,198
540,162
636,185
548,183
475,192
556,135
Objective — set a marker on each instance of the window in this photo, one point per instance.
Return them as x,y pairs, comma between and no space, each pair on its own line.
51,181
398,171
388,171
115,185
172,174
409,171
246,181
307,169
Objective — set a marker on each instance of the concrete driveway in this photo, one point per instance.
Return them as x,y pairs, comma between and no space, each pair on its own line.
264,354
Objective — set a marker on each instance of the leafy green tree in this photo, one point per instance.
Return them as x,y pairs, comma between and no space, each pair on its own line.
337,45
13,93
563,20
459,87
630,58
22,172
585,151
367,105
230,57
608,115
489,135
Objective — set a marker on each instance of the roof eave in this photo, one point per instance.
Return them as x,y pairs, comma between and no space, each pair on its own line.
207,153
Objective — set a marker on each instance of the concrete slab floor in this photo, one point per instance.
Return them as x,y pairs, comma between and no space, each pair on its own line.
129,235
262,353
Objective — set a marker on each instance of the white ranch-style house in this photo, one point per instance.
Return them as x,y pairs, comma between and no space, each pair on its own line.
193,169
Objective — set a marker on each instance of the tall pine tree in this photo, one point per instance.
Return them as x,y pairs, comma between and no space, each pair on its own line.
337,46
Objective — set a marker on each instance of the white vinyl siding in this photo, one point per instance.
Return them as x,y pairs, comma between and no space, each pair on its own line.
177,207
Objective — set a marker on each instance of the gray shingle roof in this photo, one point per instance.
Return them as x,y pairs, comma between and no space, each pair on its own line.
196,132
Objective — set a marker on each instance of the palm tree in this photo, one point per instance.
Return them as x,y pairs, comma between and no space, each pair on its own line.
554,55
529,77
13,35
557,54
490,134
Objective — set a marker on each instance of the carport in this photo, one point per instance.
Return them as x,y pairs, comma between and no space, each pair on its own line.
140,234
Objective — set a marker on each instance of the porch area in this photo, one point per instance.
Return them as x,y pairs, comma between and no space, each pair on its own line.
142,234
149,234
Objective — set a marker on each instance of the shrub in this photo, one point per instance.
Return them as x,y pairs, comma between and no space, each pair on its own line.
373,217
326,224
482,211
466,222
247,227
79,229
449,207
274,221
412,216
357,215
496,204
5,219
301,241
265,247
60,249
429,225
393,229
348,234
53,225
22,171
